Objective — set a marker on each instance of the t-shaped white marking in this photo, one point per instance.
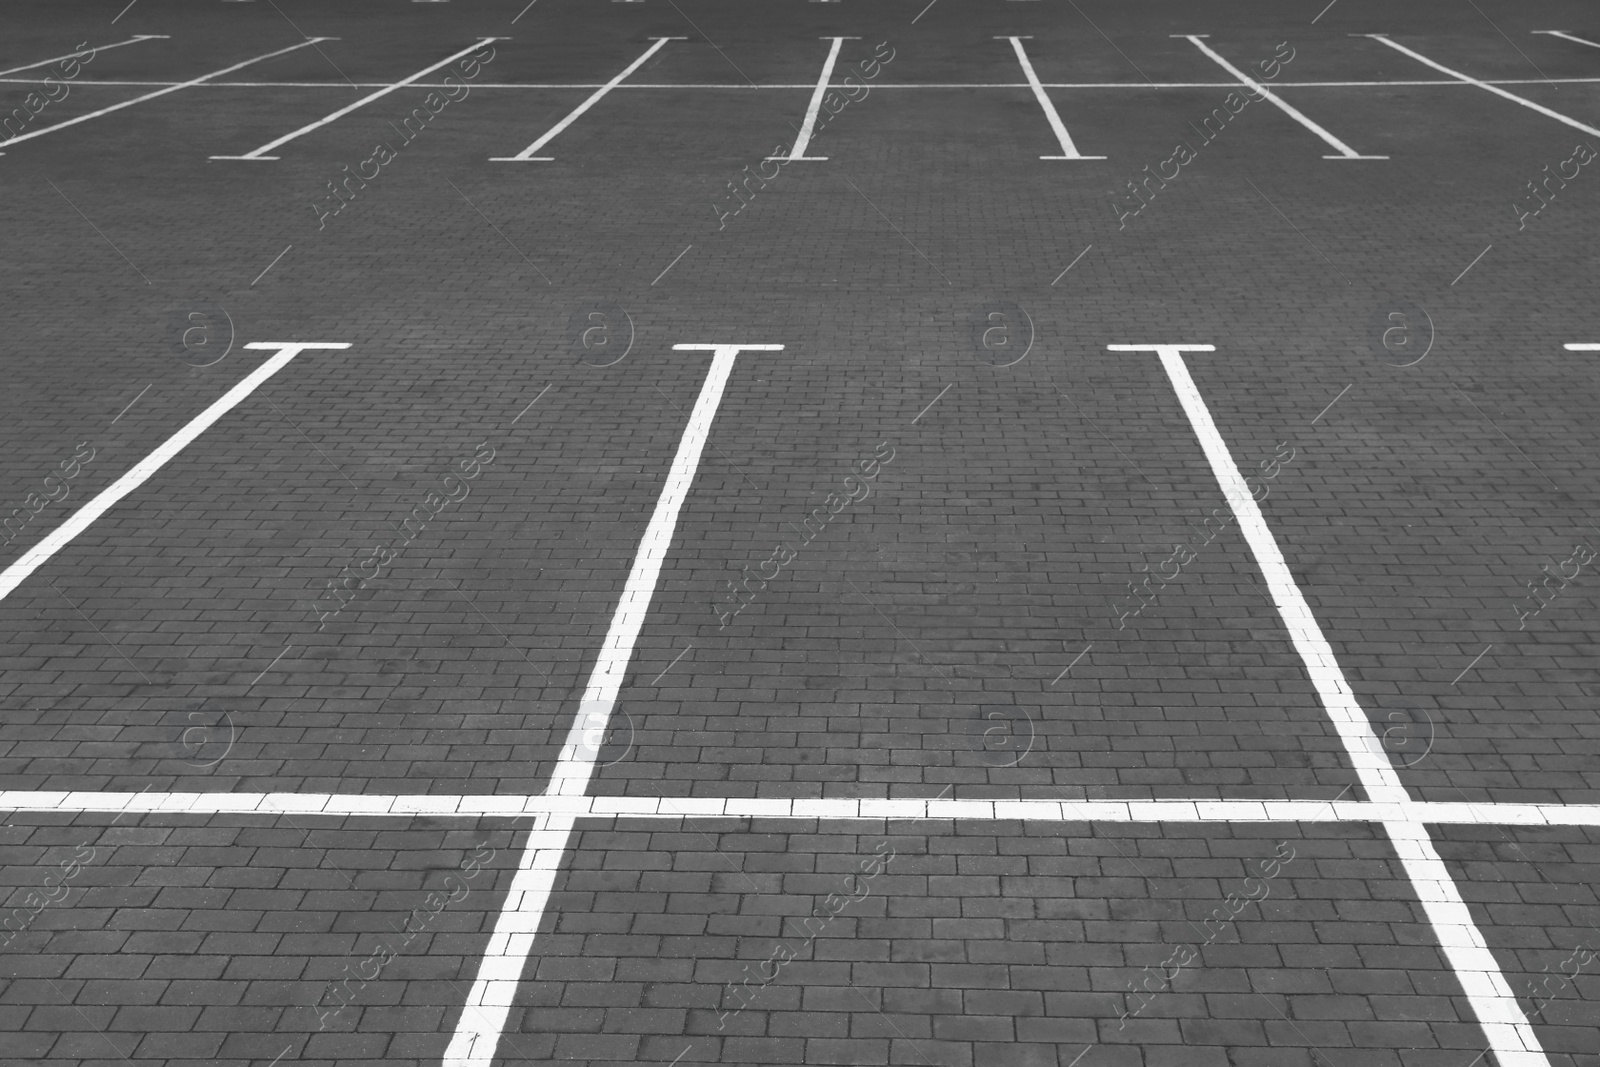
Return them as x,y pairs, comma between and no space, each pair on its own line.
1383,39
1068,149
1508,1031
527,154
141,472
257,155
814,109
1345,151
483,1016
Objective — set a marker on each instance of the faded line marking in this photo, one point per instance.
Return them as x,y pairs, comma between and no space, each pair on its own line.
1074,663
1332,402
674,262
1074,263
532,402
671,665
274,263
1474,663
1474,262
132,402
934,401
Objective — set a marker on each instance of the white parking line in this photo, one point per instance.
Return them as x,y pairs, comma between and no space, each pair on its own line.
1345,151
1068,149
484,805
58,538
135,39
745,87
161,92
1582,346
527,154
260,154
1566,37
1495,89
1508,1031
489,1002
814,108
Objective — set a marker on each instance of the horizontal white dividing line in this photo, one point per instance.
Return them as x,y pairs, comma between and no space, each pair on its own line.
527,154
489,1001
1345,151
1582,346
260,154
745,87
1496,90
478,806
308,42
58,538
135,39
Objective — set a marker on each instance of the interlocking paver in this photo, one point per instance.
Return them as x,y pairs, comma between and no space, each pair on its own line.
922,644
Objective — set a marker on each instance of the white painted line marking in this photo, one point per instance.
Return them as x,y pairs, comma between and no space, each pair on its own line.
745,87
671,665
489,1002
924,11
571,776
1304,631
1068,149
524,11
1474,262
1074,263
1508,1031
1074,663
260,154
160,92
1493,1003
674,262
1324,11
1332,402
1566,36
932,402
532,402
58,538
814,108
1582,346
1474,662
124,11
274,263
474,805
132,402
527,154
135,39
1496,90
1345,151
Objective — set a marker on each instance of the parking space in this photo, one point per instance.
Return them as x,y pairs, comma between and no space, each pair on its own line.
774,942
1534,891
233,940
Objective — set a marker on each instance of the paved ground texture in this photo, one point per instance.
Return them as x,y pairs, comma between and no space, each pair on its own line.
983,532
